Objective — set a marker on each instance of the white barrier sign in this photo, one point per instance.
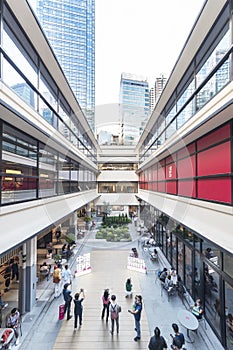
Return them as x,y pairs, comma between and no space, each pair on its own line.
136,264
83,264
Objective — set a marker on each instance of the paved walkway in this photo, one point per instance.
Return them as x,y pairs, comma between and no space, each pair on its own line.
43,330
108,271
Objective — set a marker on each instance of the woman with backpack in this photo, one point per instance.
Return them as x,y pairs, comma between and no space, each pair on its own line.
114,311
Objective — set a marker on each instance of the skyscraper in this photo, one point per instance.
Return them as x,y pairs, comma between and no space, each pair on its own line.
156,91
134,102
70,28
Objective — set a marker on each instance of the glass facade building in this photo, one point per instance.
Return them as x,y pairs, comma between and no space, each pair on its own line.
134,107
70,28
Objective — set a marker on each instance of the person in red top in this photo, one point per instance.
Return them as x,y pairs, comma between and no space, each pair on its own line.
106,303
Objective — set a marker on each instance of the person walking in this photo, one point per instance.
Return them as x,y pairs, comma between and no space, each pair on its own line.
128,288
50,250
157,342
114,309
67,275
178,338
67,297
13,322
78,308
15,269
137,310
7,277
106,303
57,281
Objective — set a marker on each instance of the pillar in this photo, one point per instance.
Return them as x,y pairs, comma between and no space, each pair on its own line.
28,276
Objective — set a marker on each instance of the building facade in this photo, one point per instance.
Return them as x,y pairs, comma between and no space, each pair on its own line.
48,152
156,91
70,28
185,170
134,105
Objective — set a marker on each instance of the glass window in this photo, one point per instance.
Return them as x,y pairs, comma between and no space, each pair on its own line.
16,142
186,113
186,94
47,94
228,264
13,79
18,182
196,276
189,268
212,297
228,314
47,183
214,58
174,252
47,156
211,252
13,49
180,259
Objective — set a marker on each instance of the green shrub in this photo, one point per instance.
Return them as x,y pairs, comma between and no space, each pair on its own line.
70,238
99,235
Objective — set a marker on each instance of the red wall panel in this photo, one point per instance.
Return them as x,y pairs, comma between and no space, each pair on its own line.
215,189
186,151
214,137
215,160
186,167
171,187
154,172
161,186
187,188
161,173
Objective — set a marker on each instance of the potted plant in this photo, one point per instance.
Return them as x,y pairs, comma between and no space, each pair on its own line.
57,258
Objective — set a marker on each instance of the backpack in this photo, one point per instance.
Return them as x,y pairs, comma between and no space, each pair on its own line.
114,311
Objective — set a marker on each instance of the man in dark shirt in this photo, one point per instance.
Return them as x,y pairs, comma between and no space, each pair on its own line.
67,297
157,342
178,338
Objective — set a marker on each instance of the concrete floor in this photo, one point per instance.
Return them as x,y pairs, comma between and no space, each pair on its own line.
42,329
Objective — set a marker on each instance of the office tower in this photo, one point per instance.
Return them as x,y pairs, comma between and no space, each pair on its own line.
152,99
70,28
134,102
159,86
156,91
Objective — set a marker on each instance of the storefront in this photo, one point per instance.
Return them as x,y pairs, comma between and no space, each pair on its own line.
206,271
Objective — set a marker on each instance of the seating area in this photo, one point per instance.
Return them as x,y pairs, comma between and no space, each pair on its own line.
58,249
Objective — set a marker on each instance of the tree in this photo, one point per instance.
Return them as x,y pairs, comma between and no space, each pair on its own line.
106,209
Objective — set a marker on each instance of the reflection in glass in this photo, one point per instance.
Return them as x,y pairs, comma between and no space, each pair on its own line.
212,297
229,315
228,264
23,62
188,266
18,84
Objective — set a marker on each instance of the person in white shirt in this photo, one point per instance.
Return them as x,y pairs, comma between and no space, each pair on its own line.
67,275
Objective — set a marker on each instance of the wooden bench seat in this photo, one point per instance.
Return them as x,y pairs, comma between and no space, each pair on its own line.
42,252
